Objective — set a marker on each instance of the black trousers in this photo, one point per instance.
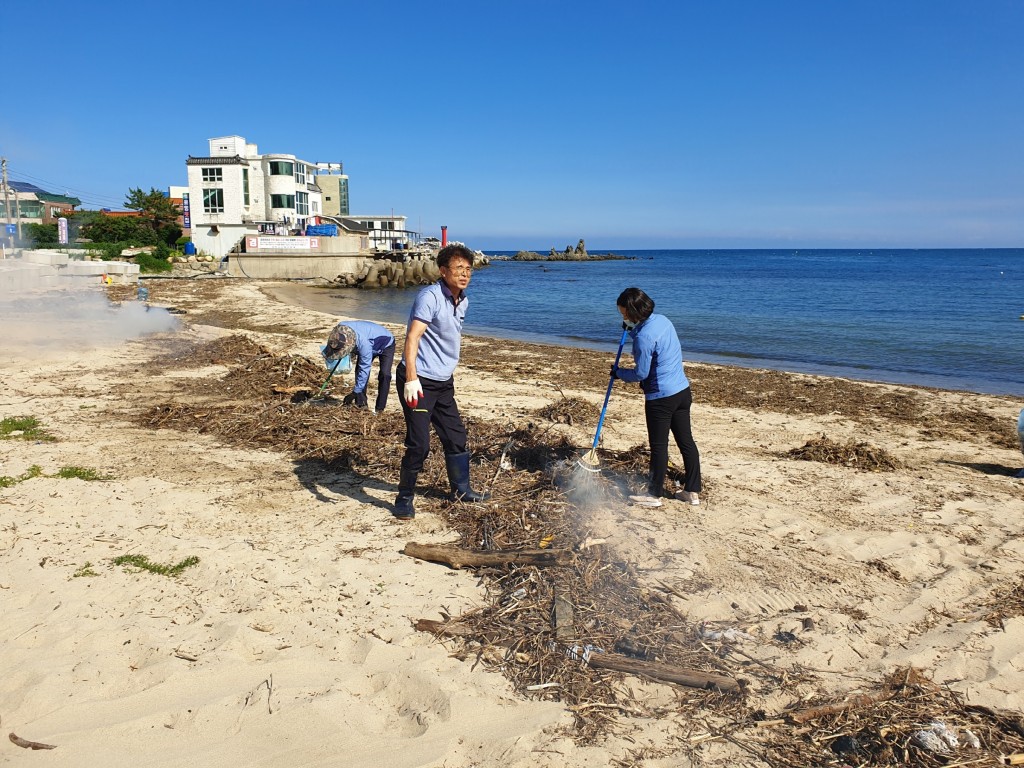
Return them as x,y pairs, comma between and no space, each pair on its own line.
667,414
437,407
386,360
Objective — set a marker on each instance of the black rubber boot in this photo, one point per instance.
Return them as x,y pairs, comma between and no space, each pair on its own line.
404,509
458,476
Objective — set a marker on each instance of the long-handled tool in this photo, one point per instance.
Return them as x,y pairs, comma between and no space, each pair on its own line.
318,398
589,461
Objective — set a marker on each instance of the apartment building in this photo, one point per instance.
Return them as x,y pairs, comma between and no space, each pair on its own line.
333,186
235,191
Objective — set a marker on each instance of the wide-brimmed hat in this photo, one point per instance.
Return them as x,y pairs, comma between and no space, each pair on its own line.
340,343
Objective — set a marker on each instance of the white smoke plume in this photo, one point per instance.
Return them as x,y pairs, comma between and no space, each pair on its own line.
47,320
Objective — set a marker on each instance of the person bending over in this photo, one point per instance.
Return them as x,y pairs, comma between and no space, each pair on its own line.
659,370
371,341
425,382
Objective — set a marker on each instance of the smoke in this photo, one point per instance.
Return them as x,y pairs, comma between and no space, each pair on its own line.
585,488
51,320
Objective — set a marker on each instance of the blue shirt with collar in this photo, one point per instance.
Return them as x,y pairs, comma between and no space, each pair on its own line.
371,340
658,358
438,353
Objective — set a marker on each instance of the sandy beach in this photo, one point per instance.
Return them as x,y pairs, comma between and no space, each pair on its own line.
850,531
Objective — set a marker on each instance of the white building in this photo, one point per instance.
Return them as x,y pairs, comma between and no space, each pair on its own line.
236,191
386,233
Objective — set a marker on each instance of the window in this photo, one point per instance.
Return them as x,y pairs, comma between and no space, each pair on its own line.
213,174
245,186
316,207
302,203
282,201
213,200
281,168
328,198
300,173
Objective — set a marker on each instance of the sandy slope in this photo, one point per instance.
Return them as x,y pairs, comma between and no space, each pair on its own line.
291,642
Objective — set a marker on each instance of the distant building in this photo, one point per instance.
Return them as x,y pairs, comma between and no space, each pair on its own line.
32,205
386,233
333,185
236,191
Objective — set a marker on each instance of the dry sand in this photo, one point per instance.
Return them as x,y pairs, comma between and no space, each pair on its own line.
291,641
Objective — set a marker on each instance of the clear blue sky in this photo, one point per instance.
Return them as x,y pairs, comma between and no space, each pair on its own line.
685,124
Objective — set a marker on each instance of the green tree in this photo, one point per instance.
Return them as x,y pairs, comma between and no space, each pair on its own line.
41,234
156,222
131,230
157,210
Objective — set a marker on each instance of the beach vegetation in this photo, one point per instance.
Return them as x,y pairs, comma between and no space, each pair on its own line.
6,481
143,563
85,570
157,261
24,428
82,473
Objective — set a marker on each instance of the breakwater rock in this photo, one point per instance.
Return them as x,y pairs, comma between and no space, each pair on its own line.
579,253
399,269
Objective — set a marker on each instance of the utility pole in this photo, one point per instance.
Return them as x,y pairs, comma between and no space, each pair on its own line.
7,192
17,213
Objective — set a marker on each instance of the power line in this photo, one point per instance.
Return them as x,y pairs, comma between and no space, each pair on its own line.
83,194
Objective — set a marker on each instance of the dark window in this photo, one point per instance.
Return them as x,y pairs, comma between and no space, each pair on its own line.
213,200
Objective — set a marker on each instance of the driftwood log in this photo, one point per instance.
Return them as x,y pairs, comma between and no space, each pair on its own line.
663,673
457,557
853,702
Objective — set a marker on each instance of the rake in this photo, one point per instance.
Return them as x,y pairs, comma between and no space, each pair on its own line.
589,460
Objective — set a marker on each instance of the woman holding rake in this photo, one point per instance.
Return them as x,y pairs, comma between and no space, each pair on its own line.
658,361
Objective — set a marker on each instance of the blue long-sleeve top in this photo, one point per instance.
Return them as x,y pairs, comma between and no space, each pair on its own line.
371,340
658,358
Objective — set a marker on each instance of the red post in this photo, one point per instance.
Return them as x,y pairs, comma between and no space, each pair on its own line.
444,236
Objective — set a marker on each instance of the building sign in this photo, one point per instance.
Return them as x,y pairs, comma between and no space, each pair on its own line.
62,231
286,243
186,215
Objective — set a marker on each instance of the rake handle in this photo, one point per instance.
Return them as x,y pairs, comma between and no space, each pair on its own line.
328,380
608,394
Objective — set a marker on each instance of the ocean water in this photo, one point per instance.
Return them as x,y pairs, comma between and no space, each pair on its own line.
945,318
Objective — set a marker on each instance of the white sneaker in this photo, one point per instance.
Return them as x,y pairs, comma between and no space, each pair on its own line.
688,497
645,500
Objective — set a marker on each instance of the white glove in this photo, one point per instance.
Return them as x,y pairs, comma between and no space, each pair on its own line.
413,392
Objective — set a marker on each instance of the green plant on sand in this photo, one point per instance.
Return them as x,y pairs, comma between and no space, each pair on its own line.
82,473
6,481
145,564
24,428
85,570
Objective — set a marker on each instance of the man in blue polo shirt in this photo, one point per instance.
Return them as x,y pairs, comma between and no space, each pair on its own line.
425,381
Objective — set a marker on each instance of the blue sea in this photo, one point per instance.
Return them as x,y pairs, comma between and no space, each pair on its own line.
946,318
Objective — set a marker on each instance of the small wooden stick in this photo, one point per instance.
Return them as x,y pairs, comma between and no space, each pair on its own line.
30,744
